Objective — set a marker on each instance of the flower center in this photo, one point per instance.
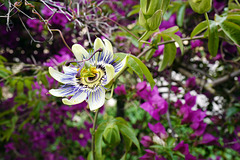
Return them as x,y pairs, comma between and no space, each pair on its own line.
81,136
92,78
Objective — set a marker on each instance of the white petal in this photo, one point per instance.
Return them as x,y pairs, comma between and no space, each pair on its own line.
60,77
121,66
108,46
75,99
63,92
98,44
79,52
96,99
69,70
110,73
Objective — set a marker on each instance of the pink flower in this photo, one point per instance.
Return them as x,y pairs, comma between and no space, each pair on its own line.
182,147
159,130
120,90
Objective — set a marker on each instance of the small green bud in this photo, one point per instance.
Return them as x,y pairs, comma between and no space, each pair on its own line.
142,20
149,7
155,21
151,12
200,6
111,135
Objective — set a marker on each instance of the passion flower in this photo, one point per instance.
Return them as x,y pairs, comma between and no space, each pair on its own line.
90,76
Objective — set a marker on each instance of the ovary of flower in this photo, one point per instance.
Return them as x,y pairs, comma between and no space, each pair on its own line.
96,75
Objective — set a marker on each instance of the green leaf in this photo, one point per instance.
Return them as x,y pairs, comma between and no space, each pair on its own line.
20,86
98,140
199,28
135,10
172,30
232,30
213,39
170,141
180,15
169,53
165,4
231,111
135,67
120,55
149,54
90,156
128,132
179,41
145,71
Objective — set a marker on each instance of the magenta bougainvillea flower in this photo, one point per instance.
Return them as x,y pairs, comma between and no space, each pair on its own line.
120,90
144,90
156,106
159,130
146,141
182,147
82,135
209,139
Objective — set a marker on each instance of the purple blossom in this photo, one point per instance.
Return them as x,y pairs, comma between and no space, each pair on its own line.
120,90
146,141
156,106
199,115
190,100
190,157
178,104
82,136
196,43
187,114
159,130
81,158
36,24
159,51
191,82
209,139
182,147
149,155
199,130
144,91
219,5
9,147
175,89
168,23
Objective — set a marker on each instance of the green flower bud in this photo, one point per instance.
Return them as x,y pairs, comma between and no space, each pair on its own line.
149,7
111,135
151,12
155,21
200,6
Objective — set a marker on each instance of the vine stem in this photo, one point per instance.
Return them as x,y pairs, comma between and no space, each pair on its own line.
93,134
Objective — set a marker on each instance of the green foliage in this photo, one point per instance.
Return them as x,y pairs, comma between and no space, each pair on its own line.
213,40
200,6
109,132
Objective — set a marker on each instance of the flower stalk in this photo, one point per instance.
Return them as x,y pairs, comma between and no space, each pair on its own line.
93,135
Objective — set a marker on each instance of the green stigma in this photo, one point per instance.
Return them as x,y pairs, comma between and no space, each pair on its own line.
88,70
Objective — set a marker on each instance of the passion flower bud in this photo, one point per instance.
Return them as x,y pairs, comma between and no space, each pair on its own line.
200,6
149,7
150,14
111,135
